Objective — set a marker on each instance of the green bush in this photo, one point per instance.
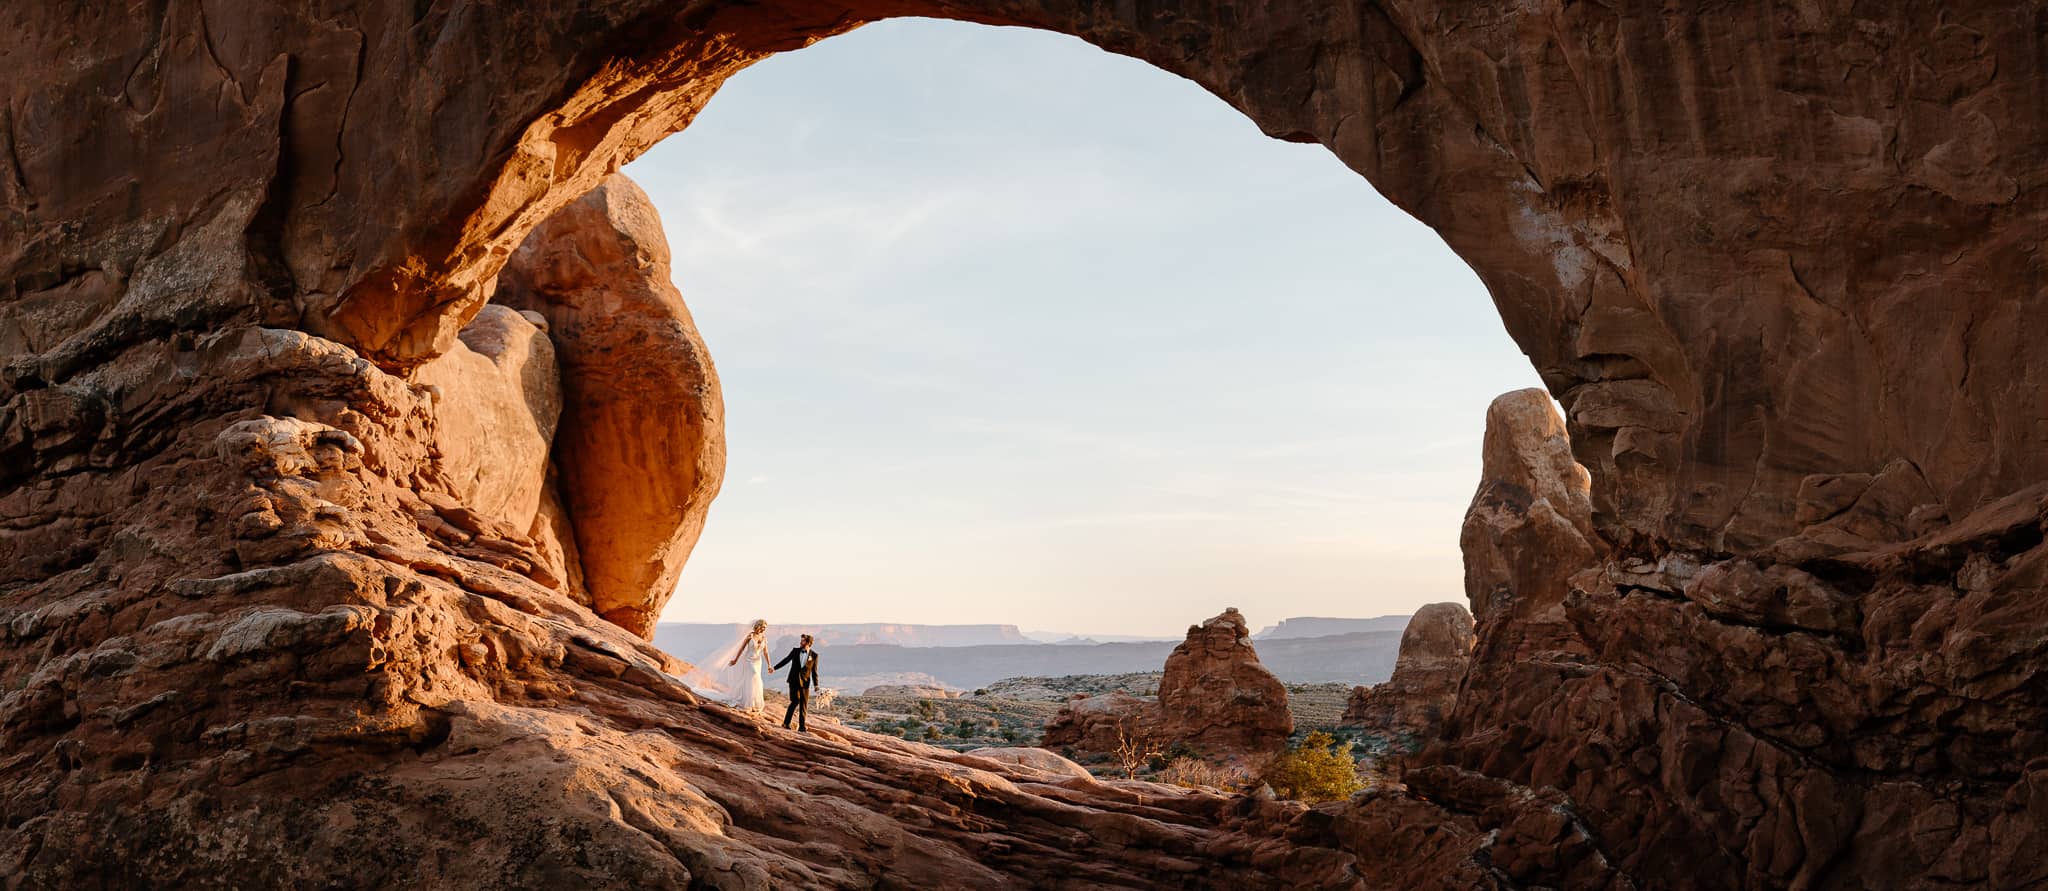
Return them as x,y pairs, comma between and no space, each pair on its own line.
927,709
931,732
1320,769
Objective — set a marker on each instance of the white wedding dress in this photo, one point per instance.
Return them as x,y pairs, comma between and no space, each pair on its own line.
717,676
745,691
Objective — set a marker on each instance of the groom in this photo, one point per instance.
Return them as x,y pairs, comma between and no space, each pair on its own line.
803,678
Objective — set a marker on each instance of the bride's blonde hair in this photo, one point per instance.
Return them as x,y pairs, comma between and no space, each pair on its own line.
760,625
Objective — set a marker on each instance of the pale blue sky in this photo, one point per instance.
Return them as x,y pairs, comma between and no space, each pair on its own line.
1015,330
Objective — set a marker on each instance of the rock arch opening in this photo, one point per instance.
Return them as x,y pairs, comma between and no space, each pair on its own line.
1065,342
622,521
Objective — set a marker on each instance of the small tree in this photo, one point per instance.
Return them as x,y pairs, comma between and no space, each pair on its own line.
1135,746
1320,769
931,731
927,709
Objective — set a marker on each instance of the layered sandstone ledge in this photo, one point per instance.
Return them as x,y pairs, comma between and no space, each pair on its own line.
266,625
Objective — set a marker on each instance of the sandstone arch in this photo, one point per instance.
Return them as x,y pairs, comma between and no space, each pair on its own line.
1781,265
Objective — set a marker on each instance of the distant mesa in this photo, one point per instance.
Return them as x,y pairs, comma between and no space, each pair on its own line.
878,654
691,639
1069,638
861,684
1320,626
923,691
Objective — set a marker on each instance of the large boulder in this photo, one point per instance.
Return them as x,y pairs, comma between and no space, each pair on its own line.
497,398
1408,710
1100,724
641,451
1033,758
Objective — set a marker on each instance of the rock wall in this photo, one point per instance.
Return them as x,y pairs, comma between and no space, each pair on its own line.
1779,262
1407,712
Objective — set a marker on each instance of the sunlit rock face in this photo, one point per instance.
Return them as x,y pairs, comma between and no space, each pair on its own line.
1780,266
1407,711
641,452
1527,536
496,399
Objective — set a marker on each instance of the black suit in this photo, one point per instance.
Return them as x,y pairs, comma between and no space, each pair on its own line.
803,678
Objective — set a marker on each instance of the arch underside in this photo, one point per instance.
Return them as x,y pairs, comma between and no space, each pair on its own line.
1778,264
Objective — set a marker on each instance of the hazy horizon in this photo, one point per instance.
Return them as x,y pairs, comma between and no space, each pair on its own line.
1016,331
1176,631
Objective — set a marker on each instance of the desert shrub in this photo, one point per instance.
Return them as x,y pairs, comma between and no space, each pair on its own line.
1135,746
1319,769
931,731
927,709
1195,773
1011,734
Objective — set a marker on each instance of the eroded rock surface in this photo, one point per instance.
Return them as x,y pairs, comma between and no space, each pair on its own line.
1216,698
641,451
1408,710
1098,724
496,400
1780,265
1527,533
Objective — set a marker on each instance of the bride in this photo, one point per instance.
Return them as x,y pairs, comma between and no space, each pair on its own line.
737,681
744,692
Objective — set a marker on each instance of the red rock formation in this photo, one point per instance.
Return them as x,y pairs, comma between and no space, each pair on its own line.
1098,724
1780,264
1407,711
642,447
1527,533
1216,698
497,398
